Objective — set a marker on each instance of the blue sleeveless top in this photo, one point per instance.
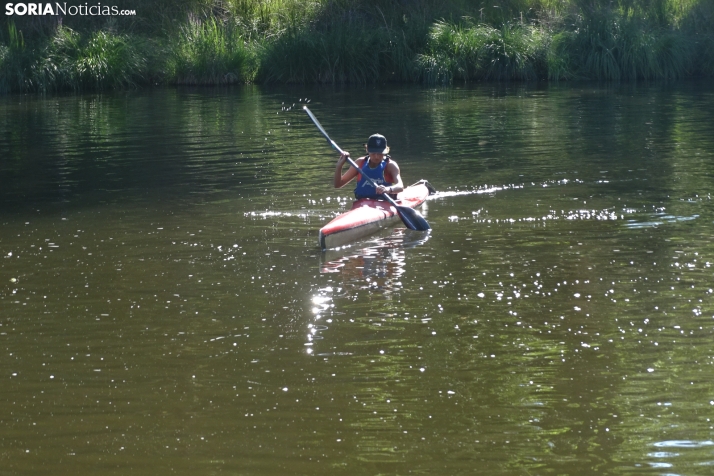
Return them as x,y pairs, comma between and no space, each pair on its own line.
364,189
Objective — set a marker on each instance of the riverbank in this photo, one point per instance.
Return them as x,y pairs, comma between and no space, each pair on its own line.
369,41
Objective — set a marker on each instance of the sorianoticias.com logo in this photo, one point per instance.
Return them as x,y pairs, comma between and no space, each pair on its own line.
57,8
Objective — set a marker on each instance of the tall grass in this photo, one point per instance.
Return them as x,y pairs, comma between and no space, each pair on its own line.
482,52
105,60
706,55
335,56
211,52
360,41
699,23
15,61
66,60
344,42
612,45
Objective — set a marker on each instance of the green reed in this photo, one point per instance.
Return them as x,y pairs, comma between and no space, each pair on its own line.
338,55
15,60
345,42
482,52
104,60
699,24
210,52
706,55
612,45
68,60
360,41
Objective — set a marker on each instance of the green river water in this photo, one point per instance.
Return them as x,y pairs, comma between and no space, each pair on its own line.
165,308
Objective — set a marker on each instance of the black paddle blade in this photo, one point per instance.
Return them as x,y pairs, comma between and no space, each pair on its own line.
413,219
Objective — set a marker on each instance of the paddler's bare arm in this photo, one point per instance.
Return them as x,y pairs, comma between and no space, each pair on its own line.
398,185
343,179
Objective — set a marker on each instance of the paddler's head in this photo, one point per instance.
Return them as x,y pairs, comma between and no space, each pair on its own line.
376,148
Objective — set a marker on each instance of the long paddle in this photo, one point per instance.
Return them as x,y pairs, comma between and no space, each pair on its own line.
411,218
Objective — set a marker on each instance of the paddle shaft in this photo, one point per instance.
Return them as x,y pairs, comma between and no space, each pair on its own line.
349,159
410,217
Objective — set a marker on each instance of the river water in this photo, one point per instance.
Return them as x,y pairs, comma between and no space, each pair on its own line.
165,308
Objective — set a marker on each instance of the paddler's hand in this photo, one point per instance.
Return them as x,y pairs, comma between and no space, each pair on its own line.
380,189
343,158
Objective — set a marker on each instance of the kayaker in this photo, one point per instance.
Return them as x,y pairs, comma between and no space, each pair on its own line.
377,165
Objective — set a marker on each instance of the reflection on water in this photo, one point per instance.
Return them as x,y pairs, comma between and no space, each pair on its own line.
373,259
378,267
659,218
687,449
165,307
